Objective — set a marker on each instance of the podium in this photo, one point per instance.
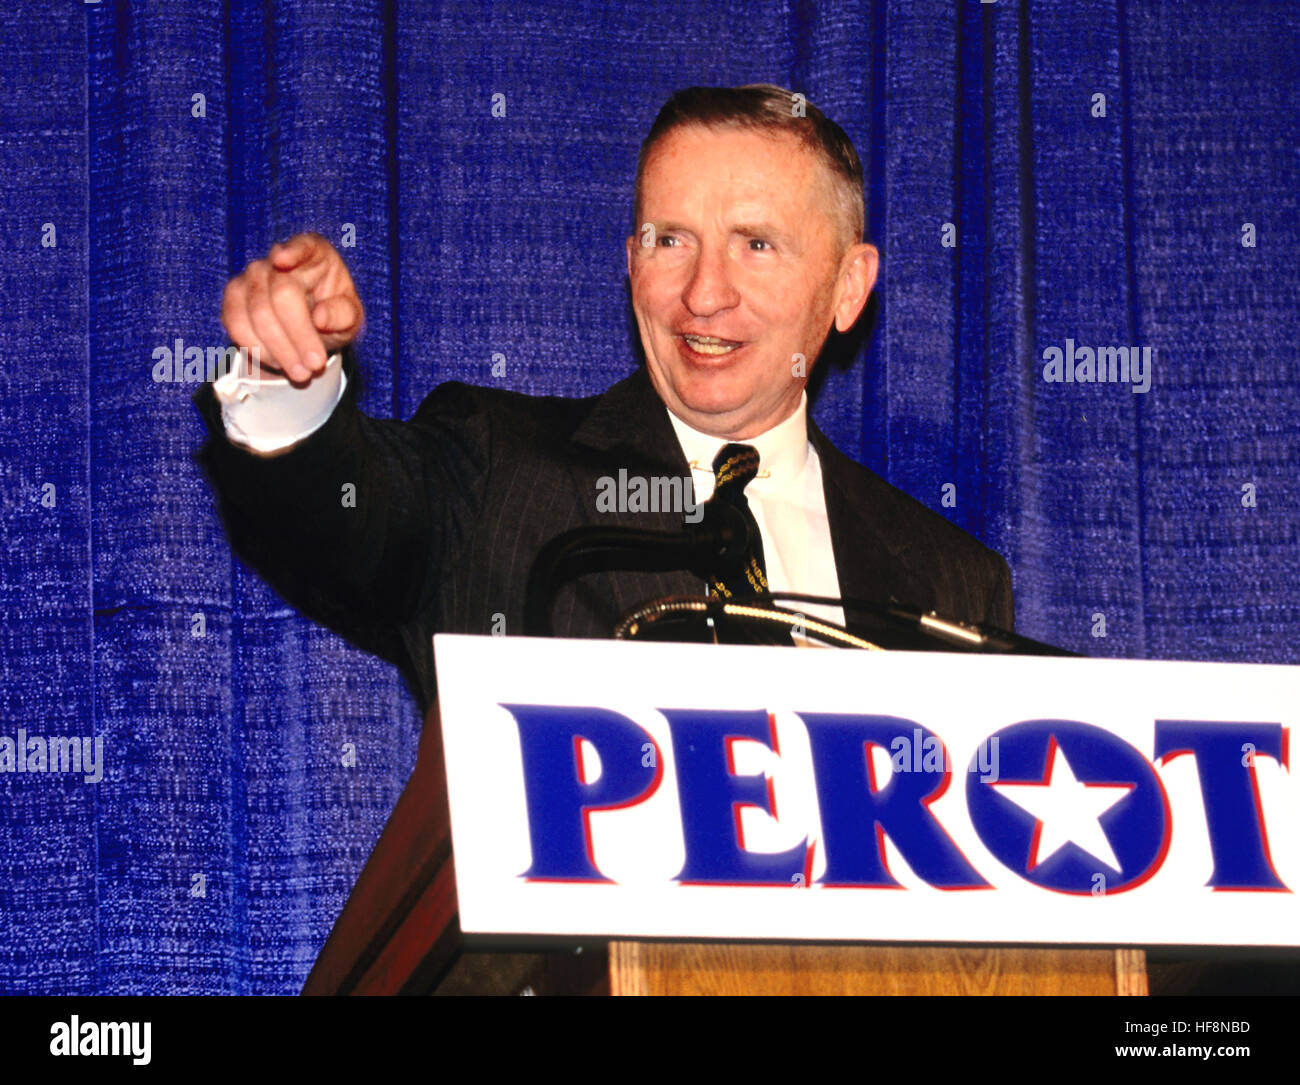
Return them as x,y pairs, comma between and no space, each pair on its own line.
400,930
398,934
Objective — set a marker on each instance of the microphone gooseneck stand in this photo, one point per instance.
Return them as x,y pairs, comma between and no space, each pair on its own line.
718,544
957,636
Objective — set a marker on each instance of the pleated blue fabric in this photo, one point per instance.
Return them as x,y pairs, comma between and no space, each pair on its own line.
1040,176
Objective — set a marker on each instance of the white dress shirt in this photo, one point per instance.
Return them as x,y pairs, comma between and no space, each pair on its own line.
266,414
788,503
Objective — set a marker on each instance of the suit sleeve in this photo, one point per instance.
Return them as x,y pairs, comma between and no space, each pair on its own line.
355,524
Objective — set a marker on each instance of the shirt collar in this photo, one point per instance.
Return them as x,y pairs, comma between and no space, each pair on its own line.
782,450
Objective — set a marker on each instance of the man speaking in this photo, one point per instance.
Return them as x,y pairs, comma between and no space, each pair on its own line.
746,251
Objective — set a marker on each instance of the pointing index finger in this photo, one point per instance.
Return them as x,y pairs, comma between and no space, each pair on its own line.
299,249
306,256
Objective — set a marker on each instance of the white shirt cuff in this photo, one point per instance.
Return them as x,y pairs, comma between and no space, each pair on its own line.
265,413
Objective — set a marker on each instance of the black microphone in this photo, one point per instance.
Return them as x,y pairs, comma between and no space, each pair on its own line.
714,546
720,540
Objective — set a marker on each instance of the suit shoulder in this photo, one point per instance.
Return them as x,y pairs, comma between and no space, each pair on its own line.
950,570
517,413
906,517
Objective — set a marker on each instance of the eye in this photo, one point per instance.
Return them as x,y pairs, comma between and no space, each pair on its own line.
754,242
666,240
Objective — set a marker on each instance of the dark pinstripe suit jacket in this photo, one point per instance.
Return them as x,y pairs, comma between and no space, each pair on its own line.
451,507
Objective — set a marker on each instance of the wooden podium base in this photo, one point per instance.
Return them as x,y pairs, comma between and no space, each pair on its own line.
657,968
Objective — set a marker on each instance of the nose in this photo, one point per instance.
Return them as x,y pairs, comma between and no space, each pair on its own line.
710,289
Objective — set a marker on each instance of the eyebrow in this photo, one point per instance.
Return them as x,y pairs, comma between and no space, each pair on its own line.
757,229
762,230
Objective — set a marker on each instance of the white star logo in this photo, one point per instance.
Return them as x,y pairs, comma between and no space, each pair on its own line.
1067,811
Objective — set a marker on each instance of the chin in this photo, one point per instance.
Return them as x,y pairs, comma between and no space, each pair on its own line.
713,406
714,394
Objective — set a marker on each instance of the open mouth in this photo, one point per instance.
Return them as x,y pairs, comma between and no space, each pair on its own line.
710,346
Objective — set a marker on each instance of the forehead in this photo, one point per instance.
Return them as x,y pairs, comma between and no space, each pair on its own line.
712,169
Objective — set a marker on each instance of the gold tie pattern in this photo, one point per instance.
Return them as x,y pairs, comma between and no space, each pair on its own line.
734,468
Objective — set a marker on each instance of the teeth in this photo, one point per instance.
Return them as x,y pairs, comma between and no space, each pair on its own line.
707,344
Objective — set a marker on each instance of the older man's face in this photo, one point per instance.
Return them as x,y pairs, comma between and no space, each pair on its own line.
743,277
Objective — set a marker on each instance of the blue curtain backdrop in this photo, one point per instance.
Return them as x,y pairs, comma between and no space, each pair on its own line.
227,830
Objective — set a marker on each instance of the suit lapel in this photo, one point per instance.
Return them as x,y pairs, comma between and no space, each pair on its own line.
870,559
628,427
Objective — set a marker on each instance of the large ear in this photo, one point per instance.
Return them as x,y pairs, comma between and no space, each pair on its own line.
857,277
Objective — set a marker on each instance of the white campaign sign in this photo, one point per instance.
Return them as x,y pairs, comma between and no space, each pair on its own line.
919,797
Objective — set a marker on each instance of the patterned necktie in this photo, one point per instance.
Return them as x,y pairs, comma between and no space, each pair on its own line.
733,469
